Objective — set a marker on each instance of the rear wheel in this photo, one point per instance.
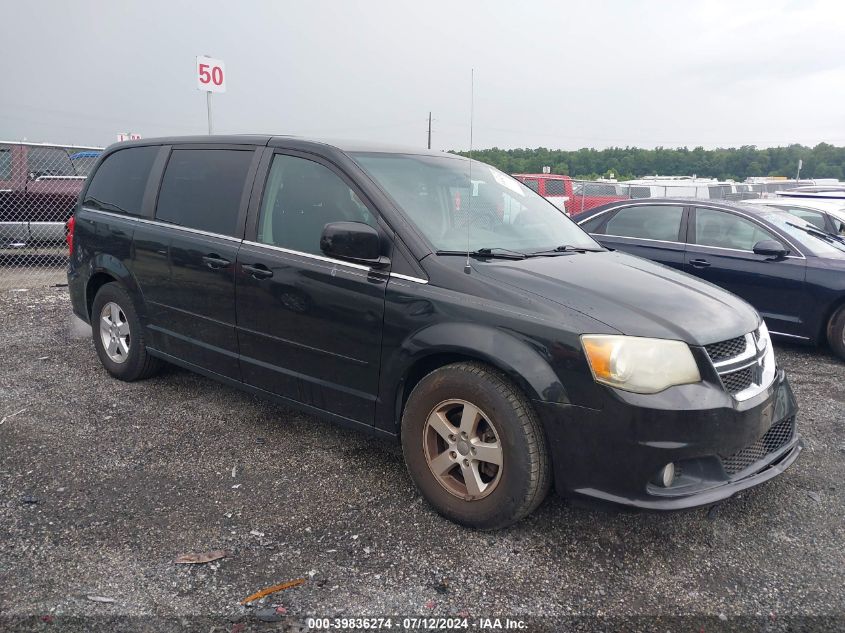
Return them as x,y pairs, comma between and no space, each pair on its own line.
474,447
118,336
836,332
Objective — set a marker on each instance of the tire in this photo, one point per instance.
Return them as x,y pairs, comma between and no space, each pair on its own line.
114,319
836,332
501,426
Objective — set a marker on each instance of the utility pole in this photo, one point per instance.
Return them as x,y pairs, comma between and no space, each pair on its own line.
429,130
208,109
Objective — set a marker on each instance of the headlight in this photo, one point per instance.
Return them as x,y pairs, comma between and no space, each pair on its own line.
641,365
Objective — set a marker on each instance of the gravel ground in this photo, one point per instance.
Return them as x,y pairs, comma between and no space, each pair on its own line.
23,271
103,484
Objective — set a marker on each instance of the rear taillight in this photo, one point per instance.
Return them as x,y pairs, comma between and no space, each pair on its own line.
71,224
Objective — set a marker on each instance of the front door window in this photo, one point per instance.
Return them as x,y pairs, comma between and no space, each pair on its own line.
301,197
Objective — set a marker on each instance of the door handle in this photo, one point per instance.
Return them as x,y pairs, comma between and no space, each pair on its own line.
259,271
699,263
214,261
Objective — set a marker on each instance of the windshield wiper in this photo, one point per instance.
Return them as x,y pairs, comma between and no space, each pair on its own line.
566,248
99,205
504,253
823,235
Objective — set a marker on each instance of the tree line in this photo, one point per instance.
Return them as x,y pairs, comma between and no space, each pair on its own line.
733,163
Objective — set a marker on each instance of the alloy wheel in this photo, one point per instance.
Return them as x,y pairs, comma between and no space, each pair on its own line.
462,449
114,332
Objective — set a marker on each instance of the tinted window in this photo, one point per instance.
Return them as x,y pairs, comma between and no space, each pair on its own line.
119,183
43,162
653,222
300,198
838,218
5,163
202,189
593,223
599,189
593,189
532,184
718,192
554,188
725,230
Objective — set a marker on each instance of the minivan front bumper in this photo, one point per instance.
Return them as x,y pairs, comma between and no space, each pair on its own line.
718,448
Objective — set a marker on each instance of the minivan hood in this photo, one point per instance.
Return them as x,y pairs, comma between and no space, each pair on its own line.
635,296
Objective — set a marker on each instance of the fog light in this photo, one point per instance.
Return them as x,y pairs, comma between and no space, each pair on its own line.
666,475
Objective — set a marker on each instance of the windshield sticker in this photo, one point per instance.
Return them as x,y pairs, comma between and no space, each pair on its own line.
503,180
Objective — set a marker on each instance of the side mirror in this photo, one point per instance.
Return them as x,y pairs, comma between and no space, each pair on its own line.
771,248
354,241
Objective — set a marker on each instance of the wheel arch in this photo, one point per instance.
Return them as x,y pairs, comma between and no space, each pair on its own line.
95,282
834,307
106,269
444,344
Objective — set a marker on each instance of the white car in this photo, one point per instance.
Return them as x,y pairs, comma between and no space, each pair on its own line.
828,215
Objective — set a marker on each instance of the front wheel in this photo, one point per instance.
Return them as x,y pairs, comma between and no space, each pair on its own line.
836,332
474,447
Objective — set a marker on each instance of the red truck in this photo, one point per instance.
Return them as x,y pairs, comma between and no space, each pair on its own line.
572,196
39,185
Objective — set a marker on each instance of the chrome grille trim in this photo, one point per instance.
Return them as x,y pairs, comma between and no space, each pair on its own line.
748,372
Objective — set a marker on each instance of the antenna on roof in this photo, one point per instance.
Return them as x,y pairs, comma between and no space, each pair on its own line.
467,267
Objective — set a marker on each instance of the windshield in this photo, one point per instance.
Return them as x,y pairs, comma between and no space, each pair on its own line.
807,235
456,212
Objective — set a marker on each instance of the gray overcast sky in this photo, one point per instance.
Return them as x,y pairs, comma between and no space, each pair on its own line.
554,74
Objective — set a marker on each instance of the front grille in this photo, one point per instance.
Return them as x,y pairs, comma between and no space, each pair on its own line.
725,349
775,438
737,381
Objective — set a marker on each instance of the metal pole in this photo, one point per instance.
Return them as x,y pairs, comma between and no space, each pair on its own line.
208,107
429,130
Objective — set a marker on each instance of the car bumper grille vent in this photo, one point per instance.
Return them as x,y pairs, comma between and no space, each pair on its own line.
778,436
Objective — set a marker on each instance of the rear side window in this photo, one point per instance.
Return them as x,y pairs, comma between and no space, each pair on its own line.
554,188
593,189
118,184
202,189
651,222
717,192
532,184
44,162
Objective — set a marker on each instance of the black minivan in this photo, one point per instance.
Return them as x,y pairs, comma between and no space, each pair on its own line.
426,297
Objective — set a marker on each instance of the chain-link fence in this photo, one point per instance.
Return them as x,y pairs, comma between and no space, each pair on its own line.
39,185
575,196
